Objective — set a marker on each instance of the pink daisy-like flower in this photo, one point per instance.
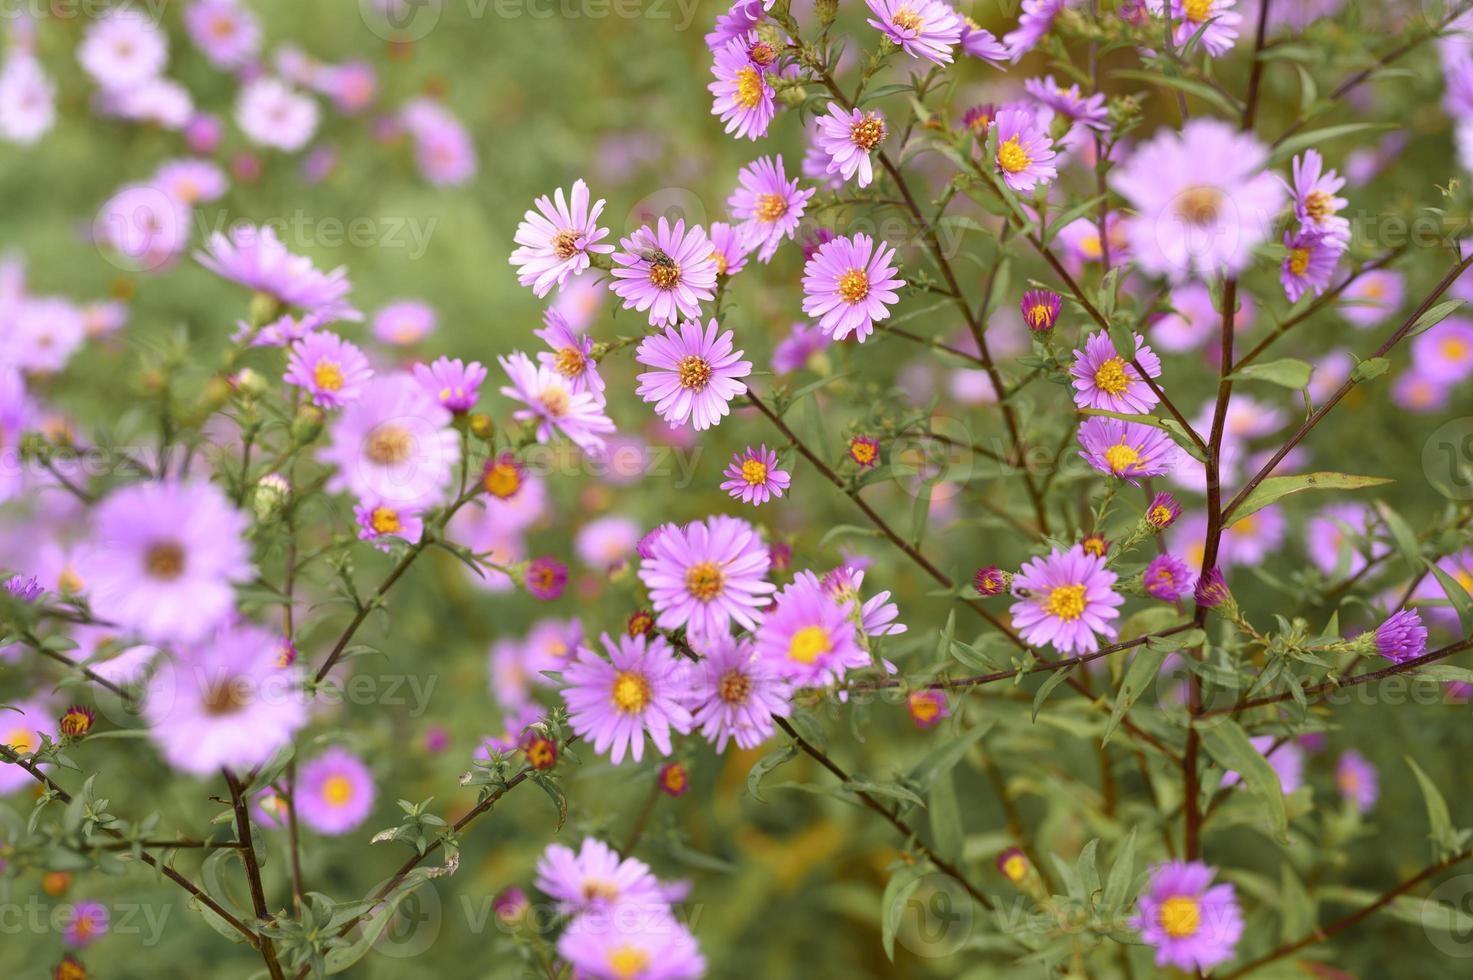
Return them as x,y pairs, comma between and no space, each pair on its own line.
1202,200
605,543
1034,22
735,694
1025,153
706,574
255,258
768,205
393,443
123,48
571,355
1215,20
329,368
545,578
87,923
922,28
167,555
226,702
272,113
1193,924
1445,353
849,136
555,240
695,374
27,99
795,350
1310,264
808,636
877,615
982,44
334,792
443,150
927,708
753,476
649,944
1105,380
728,248
849,285
145,226
738,21
452,382
742,97
1356,780
1066,599
640,690
1070,103
1129,450
404,322
228,33
378,521
1372,297
1168,578
595,878
191,182
552,402
667,270
1315,204
21,728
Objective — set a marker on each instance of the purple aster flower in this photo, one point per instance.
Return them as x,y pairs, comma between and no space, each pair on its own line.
667,271
87,923
27,99
768,205
1356,779
1034,22
981,43
225,702
227,32
647,945
640,690
1220,20
555,240
1105,380
378,521
738,21
1040,309
706,574
991,580
1068,102
794,351
849,285
1333,531
394,444
551,400
446,157
594,878
735,694
334,792
123,49
1402,637
927,708
741,95
1193,924
545,578
1202,200
1128,450
332,370
808,637
144,226
274,114
403,322
1310,263
877,615
729,248
256,258
167,555
753,476
605,543
1167,578
865,451
1416,392
1211,590
1065,599
848,136
21,728
1025,153
26,589
1372,297
1081,239
571,356
191,182
1163,512
1313,192
695,374
452,383
922,28
1445,353
352,86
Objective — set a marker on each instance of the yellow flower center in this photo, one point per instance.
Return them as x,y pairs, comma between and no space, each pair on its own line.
1012,157
862,452
631,692
1298,261
385,520
808,644
389,445
705,580
1197,10
1199,205
1111,378
502,480
1317,205
556,400
1015,867
69,581
1090,245
908,20
1121,457
1454,349
1066,602
1348,780
1039,316
754,471
627,962
721,262
749,88
664,272
569,362
853,285
22,740
565,245
770,207
165,560
734,687
762,53
1159,515
327,375
1180,916
337,790
923,707
868,132
695,372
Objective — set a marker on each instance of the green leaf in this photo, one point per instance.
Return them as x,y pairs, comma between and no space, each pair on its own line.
767,764
1122,873
1144,668
946,817
1296,908
1315,137
1433,317
1227,743
377,921
898,889
1277,487
944,758
1046,688
1456,594
1289,372
1191,86
1442,832
1403,535
1372,367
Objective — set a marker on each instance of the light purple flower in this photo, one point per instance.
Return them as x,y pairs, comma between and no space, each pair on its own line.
594,877
707,574
1347,528
1402,637
741,95
1025,153
144,225
1193,924
729,248
332,370
646,945
87,923
404,322
808,637
1356,779
1087,111
44,332
1034,22
123,48
1220,20
255,258
877,615
981,43
666,270
225,30
552,402
378,521
1416,392
27,100
443,150
640,690
1105,380
922,28
1168,578
1128,450
849,136
605,543
695,374
393,443
1445,353
334,792
571,355
21,728
1066,599
271,113
849,285
1372,297
753,476
794,351
1310,264
452,382
191,181
735,694
1313,192
768,205
556,239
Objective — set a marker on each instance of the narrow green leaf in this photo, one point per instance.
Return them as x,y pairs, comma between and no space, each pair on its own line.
1433,317
1227,743
946,817
898,890
1315,137
1441,824
1144,668
1122,873
1290,372
1456,594
1277,487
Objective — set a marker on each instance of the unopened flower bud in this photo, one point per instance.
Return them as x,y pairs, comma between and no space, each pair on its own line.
481,426
270,495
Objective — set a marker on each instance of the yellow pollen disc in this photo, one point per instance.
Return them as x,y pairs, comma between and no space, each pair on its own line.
908,20
1038,316
734,687
1199,205
1374,289
1094,545
754,471
569,362
1298,260
165,560
705,580
502,480
631,693
664,272
70,581
721,262
385,520
1012,157
862,452
556,400
762,53
595,889
1317,205
749,88
868,132
1066,602
1454,349
327,375
808,644
1197,10
1121,457
695,372
565,245
1015,867
854,285
22,740
923,707
1348,781
1465,580
1247,526
628,962
337,790
1180,916
1090,245
389,445
770,207
1160,515
1111,378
